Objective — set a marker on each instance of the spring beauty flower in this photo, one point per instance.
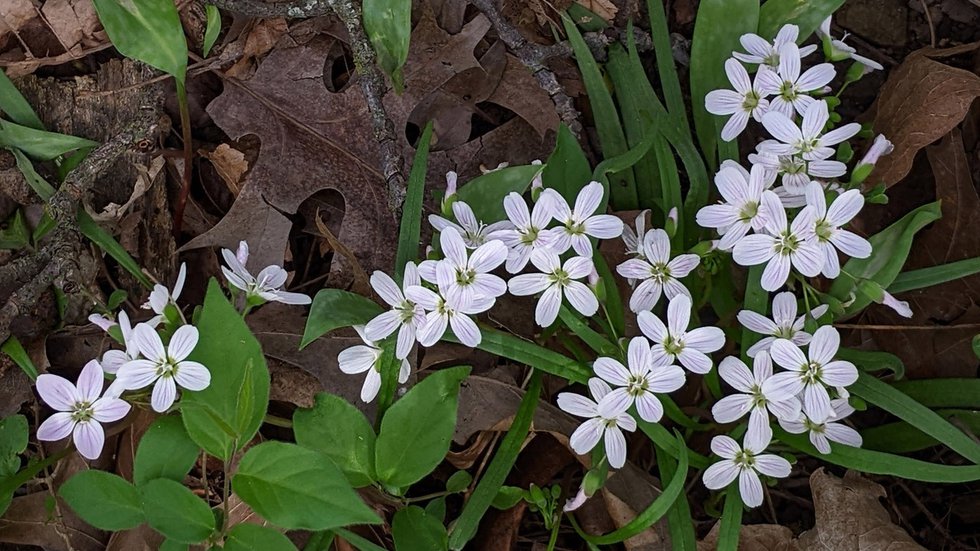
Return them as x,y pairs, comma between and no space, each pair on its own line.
161,296
744,463
831,430
761,51
443,312
789,87
581,223
812,375
744,102
529,229
673,340
112,360
742,209
827,229
265,287
473,231
465,276
366,358
164,368
600,424
796,172
750,397
783,245
640,382
837,50
783,325
634,239
80,409
881,146
809,139
656,271
405,316
554,282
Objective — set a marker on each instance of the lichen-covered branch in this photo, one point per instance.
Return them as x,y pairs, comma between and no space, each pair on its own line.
296,9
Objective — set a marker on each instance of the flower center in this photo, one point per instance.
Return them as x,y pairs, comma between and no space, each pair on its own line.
406,310
824,230
559,277
750,102
659,272
82,412
636,385
166,368
811,373
575,228
744,459
772,60
673,345
465,277
758,399
793,165
529,236
787,243
784,332
748,211
443,308
788,90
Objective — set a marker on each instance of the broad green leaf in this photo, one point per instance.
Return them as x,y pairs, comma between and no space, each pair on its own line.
171,545
485,194
488,489
411,225
942,393
40,186
873,360
165,451
934,275
612,139
13,442
339,431
414,530
104,500
252,537
507,497
416,432
174,511
872,462
567,170
718,26
900,405
459,482
15,107
15,350
388,24
333,309
805,14
294,488
526,352
227,414
148,31
40,144
891,247
731,520
212,30
359,543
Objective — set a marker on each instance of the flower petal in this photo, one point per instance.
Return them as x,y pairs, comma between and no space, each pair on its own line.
192,375
588,200
724,446
615,447
649,407
750,488
107,410
737,374
720,474
89,439
182,342
581,297
386,288
149,342
546,310
164,394
731,408
56,427
465,330
577,405
586,436
57,392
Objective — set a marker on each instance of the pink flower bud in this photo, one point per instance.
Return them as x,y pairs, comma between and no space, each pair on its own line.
881,146
450,183
242,253
899,306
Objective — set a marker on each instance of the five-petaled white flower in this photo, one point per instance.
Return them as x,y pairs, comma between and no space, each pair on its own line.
783,245
529,231
745,463
366,358
783,325
789,86
745,101
742,209
473,231
80,409
464,276
810,375
673,340
442,312
165,368
405,316
765,53
827,227
112,360
656,271
161,296
600,424
639,382
839,50
556,280
266,286
580,223
750,398
831,430
634,240
807,140
796,172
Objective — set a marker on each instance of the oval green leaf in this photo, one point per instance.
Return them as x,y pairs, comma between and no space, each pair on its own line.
252,537
174,511
339,431
485,194
805,14
333,309
165,451
388,23
294,488
148,31
104,500
414,530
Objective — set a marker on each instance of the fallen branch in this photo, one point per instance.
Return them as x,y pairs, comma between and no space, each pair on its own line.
258,8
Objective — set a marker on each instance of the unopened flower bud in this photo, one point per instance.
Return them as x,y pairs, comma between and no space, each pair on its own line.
537,184
242,253
450,197
575,502
899,306
881,146
670,226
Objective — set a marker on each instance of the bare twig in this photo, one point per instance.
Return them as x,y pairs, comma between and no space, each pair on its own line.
258,8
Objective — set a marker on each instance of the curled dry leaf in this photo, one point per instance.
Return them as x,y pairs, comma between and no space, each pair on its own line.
921,102
230,164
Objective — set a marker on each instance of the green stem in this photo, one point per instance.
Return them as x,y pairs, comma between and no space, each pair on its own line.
185,127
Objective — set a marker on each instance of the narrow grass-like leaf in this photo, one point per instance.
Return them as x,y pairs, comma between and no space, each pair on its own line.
934,275
212,29
390,367
655,510
15,107
105,241
942,393
872,462
595,340
411,225
614,303
671,84
873,360
148,31
805,14
40,144
891,248
388,24
503,461
756,300
901,437
15,350
717,28
612,139
731,520
362,544
663,439
679,521
333,309
914,413
530,354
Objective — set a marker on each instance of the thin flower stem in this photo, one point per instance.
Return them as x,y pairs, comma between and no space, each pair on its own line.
185,186
278,421
555,524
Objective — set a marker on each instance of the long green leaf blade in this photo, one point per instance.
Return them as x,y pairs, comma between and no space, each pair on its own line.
148,31
411,226
934,275
15,107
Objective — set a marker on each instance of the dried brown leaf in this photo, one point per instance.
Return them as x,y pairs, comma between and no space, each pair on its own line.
230,164
603,8
921,102
72,21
